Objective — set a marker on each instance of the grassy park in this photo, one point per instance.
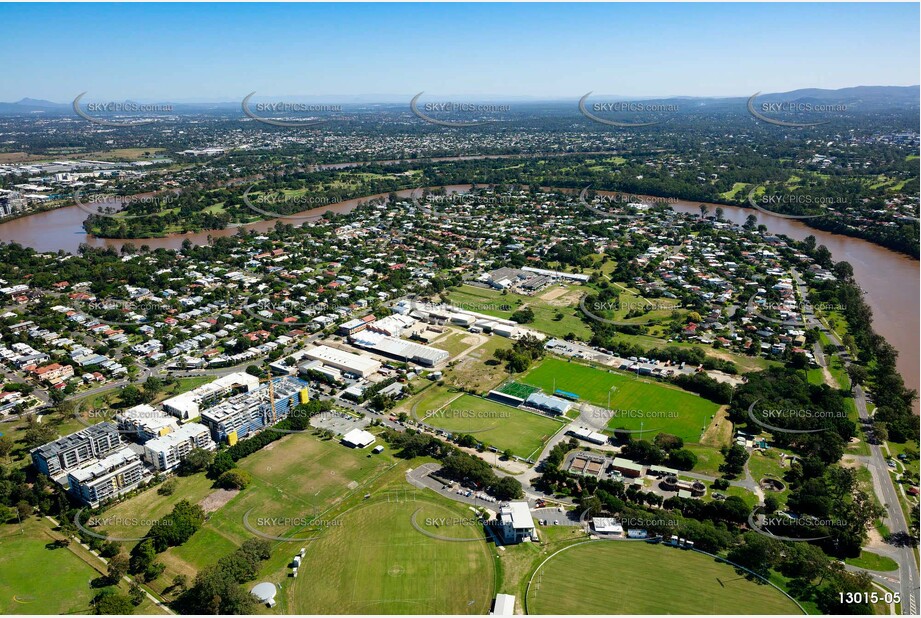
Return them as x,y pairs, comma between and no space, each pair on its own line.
523,433
638,578
378,562
658,407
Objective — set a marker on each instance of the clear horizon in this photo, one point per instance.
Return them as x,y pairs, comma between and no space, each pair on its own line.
209,53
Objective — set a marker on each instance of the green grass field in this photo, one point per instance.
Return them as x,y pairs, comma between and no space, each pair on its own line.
606,577
294,480
25,568
133,518
555,313
455,343
516,389
873,562
376,562
504,427
658,407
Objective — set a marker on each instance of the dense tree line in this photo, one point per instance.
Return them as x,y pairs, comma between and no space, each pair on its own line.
217,589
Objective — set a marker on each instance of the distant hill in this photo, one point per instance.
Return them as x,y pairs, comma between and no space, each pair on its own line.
858,98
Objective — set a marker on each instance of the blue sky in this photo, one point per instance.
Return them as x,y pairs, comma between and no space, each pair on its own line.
183,52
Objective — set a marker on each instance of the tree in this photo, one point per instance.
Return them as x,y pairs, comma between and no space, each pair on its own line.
682,459
136,594
758,553
507,488
668,442
523,316
142,556
180,582
154,571
197,460
234,479
735,457
38,434
110,549
118,567
222,463
176,528
771,504
24,509
643,452
6,446
109,602
857,373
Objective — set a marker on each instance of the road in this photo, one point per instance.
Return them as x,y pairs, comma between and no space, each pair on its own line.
883,485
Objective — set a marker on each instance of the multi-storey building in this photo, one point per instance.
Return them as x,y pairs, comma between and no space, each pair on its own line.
107,478
76,449
243,414
166,452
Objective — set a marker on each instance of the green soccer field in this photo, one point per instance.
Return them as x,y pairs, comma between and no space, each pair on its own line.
295,480
378,562
626,577
516,389
523,433
640,404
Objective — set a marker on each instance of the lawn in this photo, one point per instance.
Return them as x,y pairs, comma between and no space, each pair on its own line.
556,314
873,562
377,562
295,480
658,407
29,561
25,566
523,433
639,578
133,518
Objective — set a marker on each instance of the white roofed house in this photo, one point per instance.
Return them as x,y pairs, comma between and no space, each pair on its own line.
516,522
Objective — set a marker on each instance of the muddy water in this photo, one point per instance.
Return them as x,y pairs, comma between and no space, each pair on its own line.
890,280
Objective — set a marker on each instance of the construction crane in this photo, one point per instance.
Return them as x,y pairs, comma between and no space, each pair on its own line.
271,390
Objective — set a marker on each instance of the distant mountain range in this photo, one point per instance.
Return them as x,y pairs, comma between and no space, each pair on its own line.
865,98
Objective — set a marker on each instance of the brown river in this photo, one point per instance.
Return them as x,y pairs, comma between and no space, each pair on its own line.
890,280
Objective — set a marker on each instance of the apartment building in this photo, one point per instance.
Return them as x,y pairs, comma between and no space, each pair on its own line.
166,452
246,413
76,449
107,478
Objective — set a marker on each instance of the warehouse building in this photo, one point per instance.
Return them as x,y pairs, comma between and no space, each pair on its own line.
628,468
398,349
504,605
76,449
584,433
607,526
107,478
358,438
165,453
361,366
